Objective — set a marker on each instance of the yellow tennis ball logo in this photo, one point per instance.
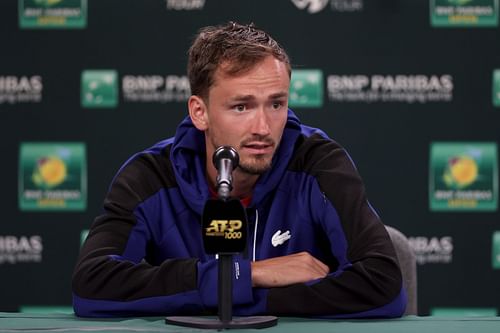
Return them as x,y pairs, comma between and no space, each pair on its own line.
51,172
463,170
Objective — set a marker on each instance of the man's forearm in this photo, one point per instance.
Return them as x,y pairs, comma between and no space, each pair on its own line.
287,270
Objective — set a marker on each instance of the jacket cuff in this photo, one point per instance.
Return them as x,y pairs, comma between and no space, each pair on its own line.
242,282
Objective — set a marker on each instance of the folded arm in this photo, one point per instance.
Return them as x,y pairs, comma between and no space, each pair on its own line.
364,278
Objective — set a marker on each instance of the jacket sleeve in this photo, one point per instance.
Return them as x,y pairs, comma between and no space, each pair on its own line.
113,275
365,278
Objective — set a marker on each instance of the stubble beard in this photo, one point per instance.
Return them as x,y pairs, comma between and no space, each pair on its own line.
257,166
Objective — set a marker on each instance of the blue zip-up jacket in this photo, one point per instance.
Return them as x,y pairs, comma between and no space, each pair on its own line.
144,255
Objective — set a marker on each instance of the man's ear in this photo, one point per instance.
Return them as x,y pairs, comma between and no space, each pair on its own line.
198,112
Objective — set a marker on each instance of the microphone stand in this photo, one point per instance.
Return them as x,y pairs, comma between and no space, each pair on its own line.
225,280
225,288
226,206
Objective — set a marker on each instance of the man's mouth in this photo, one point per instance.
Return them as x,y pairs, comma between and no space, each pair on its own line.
258,148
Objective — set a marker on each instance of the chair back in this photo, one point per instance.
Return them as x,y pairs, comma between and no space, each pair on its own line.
408,264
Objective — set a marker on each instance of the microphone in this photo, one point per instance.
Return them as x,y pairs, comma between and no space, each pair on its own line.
225,160
224,229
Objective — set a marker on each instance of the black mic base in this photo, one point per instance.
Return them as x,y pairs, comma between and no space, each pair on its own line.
216,323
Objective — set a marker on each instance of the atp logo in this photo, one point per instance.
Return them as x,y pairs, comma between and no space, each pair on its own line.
313,6
226,228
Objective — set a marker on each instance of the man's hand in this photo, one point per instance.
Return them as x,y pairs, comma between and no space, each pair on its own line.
283,271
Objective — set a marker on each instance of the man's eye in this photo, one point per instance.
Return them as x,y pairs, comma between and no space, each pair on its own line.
277,105
239,107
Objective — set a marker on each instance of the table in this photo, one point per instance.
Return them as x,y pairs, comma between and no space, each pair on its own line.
24,322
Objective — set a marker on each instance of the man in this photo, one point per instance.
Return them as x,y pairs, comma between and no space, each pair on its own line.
315,247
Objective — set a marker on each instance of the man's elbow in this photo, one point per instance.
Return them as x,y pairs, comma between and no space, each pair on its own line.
397,307
82,308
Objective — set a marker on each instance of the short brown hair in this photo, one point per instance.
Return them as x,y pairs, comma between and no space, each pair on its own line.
239,46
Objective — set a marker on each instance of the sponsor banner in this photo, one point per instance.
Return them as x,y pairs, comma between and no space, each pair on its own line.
464,13
20,249
20,89
496,87
185,4
402,88
155,88
495,250
306,88
52,176
316,6
99,88
432,250
463,176
464,312
59,14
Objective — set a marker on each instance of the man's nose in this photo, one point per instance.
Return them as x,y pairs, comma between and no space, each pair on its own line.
260,123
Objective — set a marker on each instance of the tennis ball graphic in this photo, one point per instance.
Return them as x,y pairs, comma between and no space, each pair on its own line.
463,170
51,171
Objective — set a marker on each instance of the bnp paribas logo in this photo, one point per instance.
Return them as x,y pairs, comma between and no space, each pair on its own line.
52,176
464,13
463,176
99,89
55,14
306,88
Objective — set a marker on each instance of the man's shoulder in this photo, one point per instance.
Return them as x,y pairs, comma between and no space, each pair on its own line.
313,148
156,156
146,172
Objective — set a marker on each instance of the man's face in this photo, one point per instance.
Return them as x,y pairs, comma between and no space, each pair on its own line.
249,112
